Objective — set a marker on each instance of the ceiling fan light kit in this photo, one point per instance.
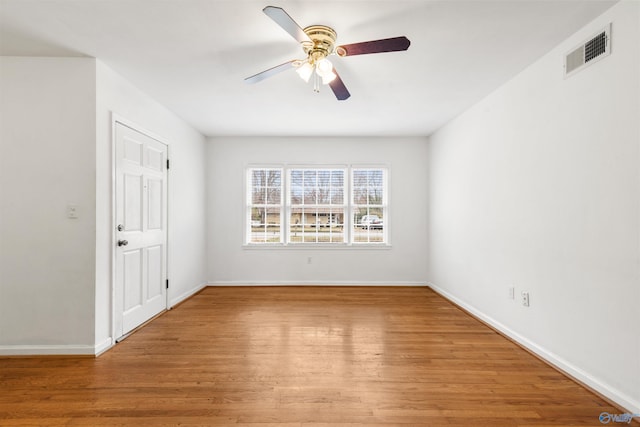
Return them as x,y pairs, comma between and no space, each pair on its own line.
318,42
321,45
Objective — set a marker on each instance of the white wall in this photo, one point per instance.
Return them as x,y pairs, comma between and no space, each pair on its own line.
55,134
538,187
187,219
403,263
47,160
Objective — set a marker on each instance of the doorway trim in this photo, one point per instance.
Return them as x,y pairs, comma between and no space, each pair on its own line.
115,120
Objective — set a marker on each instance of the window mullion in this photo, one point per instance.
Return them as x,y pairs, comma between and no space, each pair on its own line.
286,202
348,212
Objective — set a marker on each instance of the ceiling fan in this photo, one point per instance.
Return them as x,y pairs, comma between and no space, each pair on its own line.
318,42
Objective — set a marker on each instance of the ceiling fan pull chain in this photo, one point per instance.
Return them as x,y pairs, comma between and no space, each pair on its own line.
316,82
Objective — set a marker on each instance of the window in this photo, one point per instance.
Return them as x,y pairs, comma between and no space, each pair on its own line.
264,197
316,205
369,205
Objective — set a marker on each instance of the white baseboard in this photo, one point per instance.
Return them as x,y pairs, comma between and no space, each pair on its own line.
56,350
177,300
625,401
47,350
105,345
313,283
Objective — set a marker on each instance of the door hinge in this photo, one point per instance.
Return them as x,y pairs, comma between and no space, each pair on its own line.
167,283
167,163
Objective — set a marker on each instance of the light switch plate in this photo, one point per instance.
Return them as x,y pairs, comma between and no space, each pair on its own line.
72,211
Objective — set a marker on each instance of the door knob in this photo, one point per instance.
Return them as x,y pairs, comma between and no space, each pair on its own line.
123,242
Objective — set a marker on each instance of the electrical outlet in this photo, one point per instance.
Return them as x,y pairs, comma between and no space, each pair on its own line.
512,292
525,299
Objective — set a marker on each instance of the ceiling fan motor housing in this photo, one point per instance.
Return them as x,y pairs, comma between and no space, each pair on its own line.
322,44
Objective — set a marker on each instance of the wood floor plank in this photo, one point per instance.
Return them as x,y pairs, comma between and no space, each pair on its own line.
300,357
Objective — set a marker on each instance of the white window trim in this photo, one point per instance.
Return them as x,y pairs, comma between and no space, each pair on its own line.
288,205
247,203
348,243
385,204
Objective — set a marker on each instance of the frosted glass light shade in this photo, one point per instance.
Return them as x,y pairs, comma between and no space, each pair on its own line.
328,77
324,67
305,71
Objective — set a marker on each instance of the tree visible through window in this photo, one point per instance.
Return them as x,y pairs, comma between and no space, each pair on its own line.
312,205
369,205
316,206
265,205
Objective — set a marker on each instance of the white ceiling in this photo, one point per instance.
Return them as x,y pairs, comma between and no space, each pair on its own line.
193,55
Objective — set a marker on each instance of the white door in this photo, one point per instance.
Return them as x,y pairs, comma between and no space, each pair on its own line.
141,236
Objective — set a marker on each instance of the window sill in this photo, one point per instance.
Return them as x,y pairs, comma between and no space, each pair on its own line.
327,246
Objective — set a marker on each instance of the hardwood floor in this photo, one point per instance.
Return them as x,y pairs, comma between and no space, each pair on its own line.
300,356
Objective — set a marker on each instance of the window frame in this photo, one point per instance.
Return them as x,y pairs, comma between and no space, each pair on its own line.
383,206
249,205
349,208
289,206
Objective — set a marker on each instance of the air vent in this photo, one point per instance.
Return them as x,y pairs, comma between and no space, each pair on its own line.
594,49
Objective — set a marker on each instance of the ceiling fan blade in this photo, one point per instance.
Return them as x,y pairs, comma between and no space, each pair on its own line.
270,72
338,87
283,19
393,44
